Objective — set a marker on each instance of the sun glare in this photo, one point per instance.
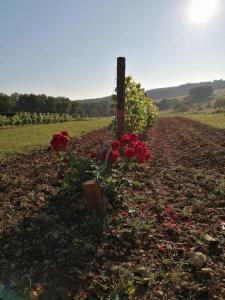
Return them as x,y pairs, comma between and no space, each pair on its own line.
201,11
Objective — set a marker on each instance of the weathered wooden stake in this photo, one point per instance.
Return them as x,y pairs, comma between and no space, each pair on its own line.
120,108
92,194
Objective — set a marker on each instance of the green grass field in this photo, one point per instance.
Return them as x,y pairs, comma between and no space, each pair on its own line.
214,120
30,137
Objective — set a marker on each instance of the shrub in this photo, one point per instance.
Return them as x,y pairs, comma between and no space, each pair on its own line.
140,111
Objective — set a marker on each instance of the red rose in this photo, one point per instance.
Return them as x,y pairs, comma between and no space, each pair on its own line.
65,133
115,145
125,138
140,150
161,248
148,155
59,142
133,144
141,159
114,155
134,137
129,153
93,155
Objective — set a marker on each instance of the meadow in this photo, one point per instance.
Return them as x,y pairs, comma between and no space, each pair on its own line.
31,137
214,120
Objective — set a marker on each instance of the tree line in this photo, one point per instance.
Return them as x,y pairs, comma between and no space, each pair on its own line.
47,104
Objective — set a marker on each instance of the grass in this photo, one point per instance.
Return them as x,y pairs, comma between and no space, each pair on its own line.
31,137
214,120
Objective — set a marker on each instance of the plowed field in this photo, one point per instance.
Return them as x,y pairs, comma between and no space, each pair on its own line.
48,249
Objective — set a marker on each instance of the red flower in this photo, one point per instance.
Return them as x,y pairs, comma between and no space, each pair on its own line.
113,155
59,142
129,153
115,145
133,144
134,137
141,159
161,248
125,138
93,155
124,214
148,155
140,148
168,210
65,133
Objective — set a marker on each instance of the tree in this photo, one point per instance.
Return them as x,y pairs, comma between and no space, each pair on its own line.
73,109
7,104
63,105
201,94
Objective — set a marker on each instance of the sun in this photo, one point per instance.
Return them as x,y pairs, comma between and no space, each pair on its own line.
201,11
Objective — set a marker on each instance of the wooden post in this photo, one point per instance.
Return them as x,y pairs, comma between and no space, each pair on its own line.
120,108
92,195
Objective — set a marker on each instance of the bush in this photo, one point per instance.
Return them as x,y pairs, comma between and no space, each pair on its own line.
140,111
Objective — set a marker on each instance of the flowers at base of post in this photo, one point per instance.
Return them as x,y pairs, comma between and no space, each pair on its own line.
116,145
60,141
128,147
113,155
129,152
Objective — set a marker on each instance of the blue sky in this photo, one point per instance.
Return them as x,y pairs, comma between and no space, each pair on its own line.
69,47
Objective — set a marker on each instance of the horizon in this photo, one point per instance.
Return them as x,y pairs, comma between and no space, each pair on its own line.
76,56
91,98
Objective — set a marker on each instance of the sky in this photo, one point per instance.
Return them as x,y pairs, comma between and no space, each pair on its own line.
69,47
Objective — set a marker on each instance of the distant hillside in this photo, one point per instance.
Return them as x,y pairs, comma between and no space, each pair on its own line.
167,92
182,90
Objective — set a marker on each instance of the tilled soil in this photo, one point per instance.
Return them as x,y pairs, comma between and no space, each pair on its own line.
51,250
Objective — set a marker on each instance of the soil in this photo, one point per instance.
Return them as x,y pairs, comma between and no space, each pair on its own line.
50,246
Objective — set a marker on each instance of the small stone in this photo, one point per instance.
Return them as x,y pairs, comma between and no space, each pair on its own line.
198,260
141,270
159,294
208,238
146,280
207,270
